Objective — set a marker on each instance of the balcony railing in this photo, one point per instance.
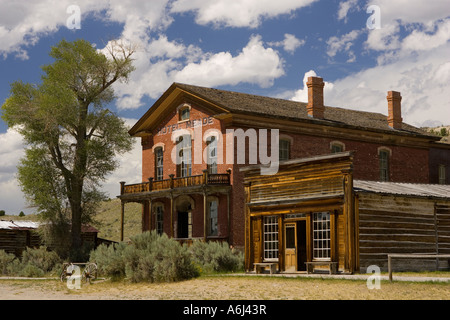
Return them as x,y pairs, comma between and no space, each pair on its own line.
171,183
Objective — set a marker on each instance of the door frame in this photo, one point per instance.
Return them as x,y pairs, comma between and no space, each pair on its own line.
292,224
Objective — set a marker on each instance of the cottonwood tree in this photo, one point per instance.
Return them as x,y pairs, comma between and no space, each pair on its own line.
72,137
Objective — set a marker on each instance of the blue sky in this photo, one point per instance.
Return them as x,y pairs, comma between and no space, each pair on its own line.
255,46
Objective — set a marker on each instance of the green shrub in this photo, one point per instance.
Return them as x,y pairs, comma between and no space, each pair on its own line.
150,257
109,260
6,259
216,257
30,270
41,258
33,263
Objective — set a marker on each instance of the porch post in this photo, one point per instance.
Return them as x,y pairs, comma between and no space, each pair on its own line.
205,229
171,215
122,216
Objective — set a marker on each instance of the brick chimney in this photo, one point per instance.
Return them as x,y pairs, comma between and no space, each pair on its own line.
315,105
394,109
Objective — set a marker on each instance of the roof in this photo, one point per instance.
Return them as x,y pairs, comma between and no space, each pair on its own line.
27,225
244,103
18,225
404,189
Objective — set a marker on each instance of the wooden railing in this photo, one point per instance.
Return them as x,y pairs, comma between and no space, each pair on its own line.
171,183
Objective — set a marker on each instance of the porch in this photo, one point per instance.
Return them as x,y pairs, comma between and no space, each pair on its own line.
186,205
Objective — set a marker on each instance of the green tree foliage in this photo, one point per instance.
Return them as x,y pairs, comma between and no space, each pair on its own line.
72,136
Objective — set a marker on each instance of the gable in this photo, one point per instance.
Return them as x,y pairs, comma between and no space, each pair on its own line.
166,106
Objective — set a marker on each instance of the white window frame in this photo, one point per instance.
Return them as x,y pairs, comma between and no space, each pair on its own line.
271,238
322,236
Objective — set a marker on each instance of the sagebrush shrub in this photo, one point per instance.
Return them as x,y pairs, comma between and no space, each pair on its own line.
216,257
41,258
149,257
6,260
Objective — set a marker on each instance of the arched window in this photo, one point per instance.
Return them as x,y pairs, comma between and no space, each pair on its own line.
337,146
211,160
184,113
184,156
159,163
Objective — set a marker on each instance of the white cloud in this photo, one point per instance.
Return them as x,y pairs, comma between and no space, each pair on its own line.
302,93
290,43
254,64
12,149
23,23
163,62
237,13
411,11
422,79
343,43
345,7
130,167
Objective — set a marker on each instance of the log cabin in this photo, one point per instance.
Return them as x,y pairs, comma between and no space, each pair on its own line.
313,215
195,139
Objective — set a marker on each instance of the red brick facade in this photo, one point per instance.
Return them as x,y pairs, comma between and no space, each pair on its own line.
407,162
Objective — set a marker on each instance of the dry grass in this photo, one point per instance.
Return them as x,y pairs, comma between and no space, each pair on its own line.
226,288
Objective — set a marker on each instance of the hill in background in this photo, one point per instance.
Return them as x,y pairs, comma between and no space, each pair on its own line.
107,220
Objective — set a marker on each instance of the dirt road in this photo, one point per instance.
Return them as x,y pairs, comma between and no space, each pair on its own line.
224,288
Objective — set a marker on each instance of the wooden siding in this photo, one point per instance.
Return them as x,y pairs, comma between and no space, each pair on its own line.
401,224
303,186
16,241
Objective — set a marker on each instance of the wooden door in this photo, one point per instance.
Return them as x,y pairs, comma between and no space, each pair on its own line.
290,248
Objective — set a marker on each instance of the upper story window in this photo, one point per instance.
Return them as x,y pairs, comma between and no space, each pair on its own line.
211,143
337,147
184,113
184,156
442,174
284,149
384,158
159,163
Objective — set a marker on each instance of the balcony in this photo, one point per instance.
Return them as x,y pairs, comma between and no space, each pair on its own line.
209,179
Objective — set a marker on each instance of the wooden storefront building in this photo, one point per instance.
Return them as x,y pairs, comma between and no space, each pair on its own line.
312,213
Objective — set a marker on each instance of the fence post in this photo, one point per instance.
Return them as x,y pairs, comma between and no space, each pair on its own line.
390,267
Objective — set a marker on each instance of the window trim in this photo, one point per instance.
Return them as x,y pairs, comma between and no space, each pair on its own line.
271,238
337,144
384,176
442,174
211,200
211,162
182,171
159,177
321,236
159,223
180,110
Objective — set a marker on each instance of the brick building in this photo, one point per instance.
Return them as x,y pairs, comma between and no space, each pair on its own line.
195,140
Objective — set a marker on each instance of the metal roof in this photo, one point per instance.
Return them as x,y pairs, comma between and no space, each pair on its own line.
27,225
18,225
406,189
